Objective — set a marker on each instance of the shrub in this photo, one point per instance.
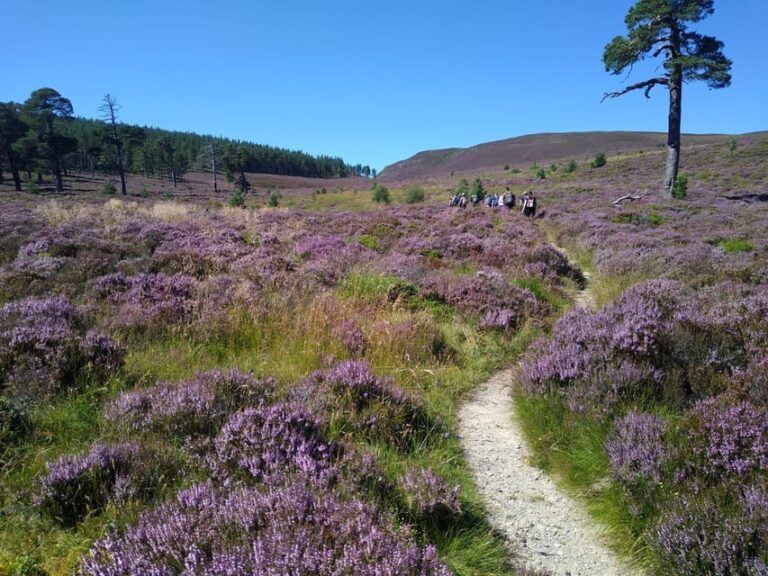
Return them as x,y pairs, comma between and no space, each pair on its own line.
637,453
728,440
352,400
599,160
541,174
478,189
191,407
14,423
680,187
351,336
571,166
428,495
274,199
237,199
380,194
710,535
32,187
270,439
414,194
506,167
109,187
463,188
76,486
292,527
370,242
44,348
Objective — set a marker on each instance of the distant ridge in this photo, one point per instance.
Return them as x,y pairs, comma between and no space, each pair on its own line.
524,150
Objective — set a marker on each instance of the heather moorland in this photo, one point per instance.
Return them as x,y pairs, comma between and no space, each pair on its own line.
200,383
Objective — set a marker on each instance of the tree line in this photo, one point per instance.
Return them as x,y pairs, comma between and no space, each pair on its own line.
43,137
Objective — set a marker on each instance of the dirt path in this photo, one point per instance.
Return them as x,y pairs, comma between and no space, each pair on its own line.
545,528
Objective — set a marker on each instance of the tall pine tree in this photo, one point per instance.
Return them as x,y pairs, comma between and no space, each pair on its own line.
659,28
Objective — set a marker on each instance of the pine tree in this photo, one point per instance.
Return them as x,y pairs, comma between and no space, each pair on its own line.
660,27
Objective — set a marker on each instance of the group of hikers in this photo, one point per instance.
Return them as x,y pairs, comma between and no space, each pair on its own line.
507,199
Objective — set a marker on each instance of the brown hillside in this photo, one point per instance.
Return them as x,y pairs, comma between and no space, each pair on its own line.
524,150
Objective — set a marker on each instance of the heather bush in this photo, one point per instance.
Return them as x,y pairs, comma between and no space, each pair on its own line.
722,534
294,527
651,344
350,399
44,348
726,440
200,251
270,439
428,496
198,406
76,486
487,295
351,336
148,302
638,453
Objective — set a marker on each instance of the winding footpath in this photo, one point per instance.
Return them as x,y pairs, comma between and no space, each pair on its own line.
545,529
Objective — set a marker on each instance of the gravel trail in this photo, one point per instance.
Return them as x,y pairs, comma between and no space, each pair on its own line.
545,529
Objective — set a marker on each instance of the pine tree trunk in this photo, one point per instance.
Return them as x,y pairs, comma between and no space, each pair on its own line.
213,167
675,114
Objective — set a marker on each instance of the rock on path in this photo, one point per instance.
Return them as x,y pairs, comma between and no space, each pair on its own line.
545,528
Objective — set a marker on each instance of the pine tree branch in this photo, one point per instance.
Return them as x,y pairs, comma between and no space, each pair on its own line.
646,85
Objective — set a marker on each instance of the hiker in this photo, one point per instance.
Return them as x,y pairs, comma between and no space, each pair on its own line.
462,202
509,199
453,201
528,204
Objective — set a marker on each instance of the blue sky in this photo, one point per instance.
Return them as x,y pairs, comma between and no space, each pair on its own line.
373,82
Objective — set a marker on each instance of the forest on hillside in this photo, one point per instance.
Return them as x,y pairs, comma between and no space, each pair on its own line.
42,137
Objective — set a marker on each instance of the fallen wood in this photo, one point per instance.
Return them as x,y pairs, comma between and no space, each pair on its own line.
629,197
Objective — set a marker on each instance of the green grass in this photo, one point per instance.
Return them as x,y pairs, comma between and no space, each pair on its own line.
570,448
735,245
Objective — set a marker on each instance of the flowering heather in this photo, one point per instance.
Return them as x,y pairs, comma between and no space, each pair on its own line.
290,528
487,295
17,223
43,347
632,348
638,454
329,258
428,495
729,439
76,486
200,252
269,439
189,407
348,396
702,536
147,301
351,336
35,259
412,268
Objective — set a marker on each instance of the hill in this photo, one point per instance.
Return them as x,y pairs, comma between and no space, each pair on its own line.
524,150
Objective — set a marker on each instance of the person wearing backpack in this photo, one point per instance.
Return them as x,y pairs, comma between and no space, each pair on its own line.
528,204
509,199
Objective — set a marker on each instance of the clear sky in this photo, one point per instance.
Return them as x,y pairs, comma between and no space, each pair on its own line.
372,81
